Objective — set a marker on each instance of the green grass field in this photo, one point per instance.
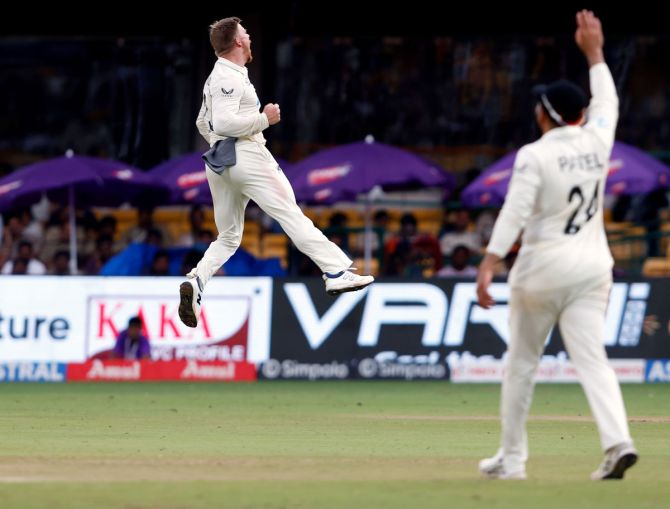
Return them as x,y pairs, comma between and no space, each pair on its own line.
311,445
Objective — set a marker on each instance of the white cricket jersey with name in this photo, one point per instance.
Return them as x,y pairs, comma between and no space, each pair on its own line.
556,197
230,106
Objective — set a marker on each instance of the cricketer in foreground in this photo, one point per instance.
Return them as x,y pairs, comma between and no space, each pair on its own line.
563,272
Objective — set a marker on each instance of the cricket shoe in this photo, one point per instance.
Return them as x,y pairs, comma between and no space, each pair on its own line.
617,460
493,468
190,295
345,281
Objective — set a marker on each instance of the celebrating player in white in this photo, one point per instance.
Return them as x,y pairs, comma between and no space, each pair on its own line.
563,271
240,168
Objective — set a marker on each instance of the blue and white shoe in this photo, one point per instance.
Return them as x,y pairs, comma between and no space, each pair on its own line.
345,281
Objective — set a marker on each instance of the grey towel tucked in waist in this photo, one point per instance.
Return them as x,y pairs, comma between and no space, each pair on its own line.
221,155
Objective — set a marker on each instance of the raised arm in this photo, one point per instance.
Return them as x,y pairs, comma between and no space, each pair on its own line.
603,111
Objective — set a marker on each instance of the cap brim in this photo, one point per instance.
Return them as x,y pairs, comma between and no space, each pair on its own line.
538,91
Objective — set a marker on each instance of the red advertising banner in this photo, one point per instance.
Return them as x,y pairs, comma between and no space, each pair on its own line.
98,370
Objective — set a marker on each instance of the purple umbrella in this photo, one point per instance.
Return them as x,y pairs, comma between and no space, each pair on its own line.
185,178
70,179
345,172
631,171
342,173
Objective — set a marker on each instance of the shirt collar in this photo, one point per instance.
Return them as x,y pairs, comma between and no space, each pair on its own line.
241,69
567,131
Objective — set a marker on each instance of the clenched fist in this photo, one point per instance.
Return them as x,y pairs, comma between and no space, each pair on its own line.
272,112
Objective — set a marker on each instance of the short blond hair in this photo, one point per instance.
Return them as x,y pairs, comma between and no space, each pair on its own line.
222,34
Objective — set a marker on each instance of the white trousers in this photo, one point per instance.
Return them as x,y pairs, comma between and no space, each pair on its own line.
580,314
257,176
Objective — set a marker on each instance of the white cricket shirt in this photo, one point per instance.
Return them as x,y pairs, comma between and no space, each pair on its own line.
230,106
556,197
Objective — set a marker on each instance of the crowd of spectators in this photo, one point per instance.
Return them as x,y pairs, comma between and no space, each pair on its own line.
433,92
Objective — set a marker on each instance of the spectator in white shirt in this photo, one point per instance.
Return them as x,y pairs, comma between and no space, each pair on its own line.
459,264
457,233
34,267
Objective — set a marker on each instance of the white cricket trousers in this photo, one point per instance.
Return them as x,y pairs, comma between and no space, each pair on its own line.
257,176
580,313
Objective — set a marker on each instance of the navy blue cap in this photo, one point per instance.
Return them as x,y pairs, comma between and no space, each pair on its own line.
562,100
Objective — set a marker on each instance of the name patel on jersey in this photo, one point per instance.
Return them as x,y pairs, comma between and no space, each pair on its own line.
583,162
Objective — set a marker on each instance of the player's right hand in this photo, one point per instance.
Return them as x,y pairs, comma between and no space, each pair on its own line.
484,278
272,112
589,34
